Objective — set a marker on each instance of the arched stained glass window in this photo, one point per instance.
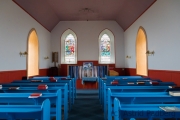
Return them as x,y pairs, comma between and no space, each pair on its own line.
105,48
70,48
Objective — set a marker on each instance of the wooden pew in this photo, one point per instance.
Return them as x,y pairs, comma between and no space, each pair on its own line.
70,88
139,98
104,88
33,89
23,98
117,89
134,89
130,79
124,77
149,111
60,80
12,112
36,85
109,79
102,80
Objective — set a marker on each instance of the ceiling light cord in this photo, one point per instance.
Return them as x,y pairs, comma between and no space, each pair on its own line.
86,11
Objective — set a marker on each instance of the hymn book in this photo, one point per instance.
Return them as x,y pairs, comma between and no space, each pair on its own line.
154,83
42,87
177,87
170,109
35,95
52,79
130,83
174,93
36,80
140,83
115,82
13,88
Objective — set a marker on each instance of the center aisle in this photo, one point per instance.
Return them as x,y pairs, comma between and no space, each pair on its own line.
86,107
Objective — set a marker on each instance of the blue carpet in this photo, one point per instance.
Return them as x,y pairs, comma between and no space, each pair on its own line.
87,94
86,107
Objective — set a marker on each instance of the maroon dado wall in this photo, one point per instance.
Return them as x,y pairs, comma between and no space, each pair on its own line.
164,75
9,76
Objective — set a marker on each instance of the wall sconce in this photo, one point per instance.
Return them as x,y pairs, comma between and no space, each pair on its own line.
46,57
150,52
23,53
128,56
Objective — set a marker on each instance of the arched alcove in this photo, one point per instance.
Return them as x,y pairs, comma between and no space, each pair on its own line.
141,56
33,54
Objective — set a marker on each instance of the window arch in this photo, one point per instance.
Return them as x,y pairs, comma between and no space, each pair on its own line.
106,47
33,54
141,56
68,47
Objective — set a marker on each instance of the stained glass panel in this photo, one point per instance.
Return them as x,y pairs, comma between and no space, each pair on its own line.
105,48
70,48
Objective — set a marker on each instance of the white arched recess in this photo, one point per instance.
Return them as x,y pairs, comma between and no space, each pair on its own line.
110,36
63,55
141,56
33,54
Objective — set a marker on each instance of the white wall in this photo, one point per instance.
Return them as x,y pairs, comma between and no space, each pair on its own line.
161,22
88,33
15,25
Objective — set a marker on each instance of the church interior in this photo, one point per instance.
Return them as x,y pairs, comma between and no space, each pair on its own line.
90,53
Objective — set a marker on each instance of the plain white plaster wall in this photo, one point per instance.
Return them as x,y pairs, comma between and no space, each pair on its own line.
15,25
162,26
87,34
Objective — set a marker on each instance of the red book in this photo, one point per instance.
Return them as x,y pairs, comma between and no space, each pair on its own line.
154,83
177,87
115,82
52,79
42,87
140,83
35,95
130,83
